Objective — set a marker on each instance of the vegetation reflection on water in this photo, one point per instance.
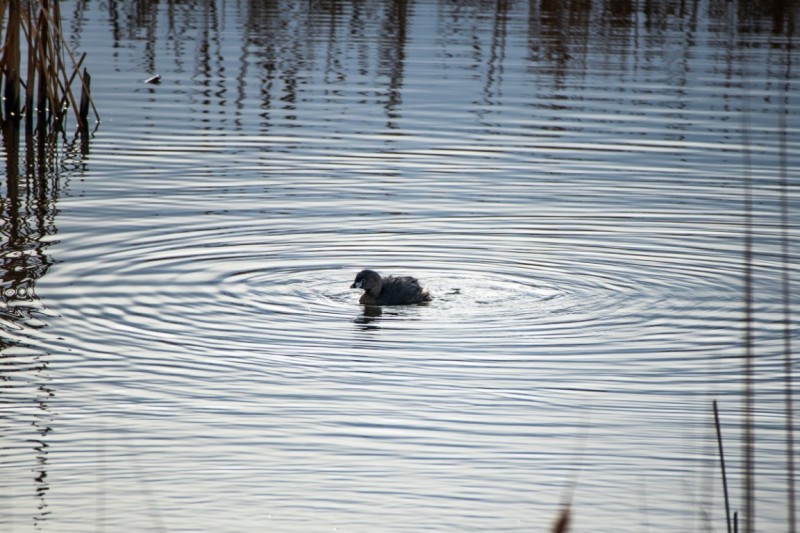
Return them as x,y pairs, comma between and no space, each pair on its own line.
179,345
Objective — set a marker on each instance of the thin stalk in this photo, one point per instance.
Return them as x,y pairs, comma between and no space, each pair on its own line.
57,31
48,90
11,60
722,466
32,53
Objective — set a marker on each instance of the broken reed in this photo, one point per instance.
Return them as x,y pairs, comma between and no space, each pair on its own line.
37,80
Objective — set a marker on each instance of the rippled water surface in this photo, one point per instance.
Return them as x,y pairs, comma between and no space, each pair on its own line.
181,349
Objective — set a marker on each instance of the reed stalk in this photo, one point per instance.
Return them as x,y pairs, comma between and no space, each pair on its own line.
50,69
722,466
561,524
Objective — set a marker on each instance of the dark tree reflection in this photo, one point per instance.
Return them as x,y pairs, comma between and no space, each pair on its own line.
324,50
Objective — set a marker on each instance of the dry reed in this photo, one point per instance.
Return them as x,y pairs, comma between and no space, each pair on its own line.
722,467
38,69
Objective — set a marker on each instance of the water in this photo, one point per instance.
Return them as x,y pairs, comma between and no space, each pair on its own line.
182,350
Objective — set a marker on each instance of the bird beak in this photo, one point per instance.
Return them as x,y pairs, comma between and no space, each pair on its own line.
357,284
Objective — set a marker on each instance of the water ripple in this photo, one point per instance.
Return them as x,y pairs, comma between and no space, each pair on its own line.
567,182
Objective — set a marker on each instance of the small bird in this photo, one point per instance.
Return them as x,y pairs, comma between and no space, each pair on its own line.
391,290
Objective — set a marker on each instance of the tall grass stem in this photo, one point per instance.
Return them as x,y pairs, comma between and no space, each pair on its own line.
722,466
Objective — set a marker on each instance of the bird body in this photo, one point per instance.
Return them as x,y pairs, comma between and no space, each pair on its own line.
391,290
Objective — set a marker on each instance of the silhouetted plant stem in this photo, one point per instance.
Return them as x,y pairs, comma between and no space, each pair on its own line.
11,59
722,466
47,83
561,524
84,106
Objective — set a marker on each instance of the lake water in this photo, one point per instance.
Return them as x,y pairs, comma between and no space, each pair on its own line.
181,349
